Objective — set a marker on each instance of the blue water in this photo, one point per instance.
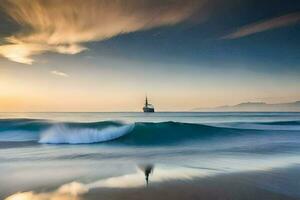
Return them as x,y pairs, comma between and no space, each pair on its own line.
43,151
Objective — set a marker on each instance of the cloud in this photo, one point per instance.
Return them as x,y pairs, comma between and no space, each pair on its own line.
62,26
265,25
58,73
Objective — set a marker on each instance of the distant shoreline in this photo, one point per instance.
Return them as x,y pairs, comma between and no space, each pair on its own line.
255,107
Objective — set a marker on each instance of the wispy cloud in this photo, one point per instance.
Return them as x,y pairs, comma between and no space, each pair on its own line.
265,25
59,73
63,26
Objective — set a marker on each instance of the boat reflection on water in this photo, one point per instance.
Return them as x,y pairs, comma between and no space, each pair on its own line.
147,169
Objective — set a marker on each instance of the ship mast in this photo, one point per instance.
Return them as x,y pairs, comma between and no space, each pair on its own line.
146,102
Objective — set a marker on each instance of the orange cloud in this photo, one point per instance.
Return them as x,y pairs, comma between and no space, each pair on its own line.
62,26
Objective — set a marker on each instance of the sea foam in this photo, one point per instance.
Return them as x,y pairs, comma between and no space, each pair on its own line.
62,134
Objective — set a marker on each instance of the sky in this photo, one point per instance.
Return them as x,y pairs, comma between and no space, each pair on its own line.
106,55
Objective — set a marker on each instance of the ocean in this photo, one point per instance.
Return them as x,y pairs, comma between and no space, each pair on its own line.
98,155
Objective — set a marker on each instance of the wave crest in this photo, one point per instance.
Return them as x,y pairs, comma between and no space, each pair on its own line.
62,134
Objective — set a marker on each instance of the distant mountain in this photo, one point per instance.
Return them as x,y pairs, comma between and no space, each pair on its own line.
256,107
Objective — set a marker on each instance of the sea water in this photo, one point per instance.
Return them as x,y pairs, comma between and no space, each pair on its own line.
76,152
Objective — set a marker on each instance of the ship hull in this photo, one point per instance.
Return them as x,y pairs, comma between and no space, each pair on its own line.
148,110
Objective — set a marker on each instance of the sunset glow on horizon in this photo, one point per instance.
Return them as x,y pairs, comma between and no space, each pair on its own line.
97,56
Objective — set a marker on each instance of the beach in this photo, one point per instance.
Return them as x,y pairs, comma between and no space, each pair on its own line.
69,156
280,184
226,187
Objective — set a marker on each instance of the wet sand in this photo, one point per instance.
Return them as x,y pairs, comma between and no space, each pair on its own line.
276,184
223,187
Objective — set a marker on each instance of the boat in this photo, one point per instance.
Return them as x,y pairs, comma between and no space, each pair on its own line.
148,108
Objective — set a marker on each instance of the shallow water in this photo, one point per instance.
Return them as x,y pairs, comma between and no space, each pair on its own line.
74,153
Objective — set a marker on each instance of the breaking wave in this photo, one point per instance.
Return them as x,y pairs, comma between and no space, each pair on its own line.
62,134
139,133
